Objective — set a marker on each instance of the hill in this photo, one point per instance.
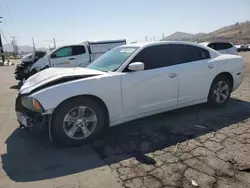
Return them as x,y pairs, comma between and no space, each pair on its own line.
238,33
25,48
181,36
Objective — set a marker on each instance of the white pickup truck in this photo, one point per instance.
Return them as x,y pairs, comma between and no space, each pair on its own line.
78,55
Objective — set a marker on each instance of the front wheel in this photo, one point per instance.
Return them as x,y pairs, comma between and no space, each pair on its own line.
220,91
77,121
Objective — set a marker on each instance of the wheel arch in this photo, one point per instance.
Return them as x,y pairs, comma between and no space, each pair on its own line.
229,76
93,97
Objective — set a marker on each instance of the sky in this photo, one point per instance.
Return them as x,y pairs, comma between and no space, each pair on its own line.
76,21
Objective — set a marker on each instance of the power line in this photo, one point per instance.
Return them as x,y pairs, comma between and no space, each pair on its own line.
10,16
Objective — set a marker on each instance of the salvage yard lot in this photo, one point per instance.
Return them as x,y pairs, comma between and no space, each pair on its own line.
209,146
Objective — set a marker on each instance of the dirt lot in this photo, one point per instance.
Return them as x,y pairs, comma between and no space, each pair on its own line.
200,145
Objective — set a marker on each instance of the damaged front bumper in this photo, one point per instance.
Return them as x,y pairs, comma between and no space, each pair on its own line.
35,121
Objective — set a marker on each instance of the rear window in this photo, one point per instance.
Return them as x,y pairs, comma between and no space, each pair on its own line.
220,45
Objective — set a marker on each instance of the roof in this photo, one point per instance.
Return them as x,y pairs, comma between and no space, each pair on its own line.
162,42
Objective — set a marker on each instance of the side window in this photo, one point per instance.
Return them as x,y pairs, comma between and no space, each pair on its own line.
188,53
63,52
155,57
223,46
78,50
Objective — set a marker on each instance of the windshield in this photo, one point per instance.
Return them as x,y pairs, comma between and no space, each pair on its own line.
113,59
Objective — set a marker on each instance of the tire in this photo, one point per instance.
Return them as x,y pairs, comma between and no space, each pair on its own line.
59,126
214,92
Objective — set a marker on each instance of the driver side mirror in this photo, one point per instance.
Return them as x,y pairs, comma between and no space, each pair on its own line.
136,66
53,56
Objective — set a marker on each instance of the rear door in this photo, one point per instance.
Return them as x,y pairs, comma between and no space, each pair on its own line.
63,57
196,72
154,88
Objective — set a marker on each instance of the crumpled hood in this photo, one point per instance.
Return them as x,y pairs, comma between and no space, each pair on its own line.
51,75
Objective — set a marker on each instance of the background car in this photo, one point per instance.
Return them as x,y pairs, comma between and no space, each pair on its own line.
244,47
222,47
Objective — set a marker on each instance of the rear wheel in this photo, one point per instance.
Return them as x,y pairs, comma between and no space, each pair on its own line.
220,91
77,121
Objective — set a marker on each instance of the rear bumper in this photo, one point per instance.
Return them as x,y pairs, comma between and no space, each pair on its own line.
29,119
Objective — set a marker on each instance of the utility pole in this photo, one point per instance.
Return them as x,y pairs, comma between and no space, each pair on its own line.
162,35
15,47
1,51
34,47
146,38
53,41
1,47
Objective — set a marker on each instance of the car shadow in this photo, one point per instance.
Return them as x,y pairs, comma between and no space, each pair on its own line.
32,157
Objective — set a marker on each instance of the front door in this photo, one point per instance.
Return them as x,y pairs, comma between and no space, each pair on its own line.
154,88
63,57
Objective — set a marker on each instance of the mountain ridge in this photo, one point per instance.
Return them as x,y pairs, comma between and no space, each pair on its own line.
238,33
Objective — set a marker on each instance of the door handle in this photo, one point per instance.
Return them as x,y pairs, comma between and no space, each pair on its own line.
72,58
210,66
172,74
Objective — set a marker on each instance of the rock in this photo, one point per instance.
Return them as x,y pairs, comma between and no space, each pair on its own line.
222,168
126,173
184,156
143,169
151,182
167,158
129,162
243,177
201,151
237,154
115,166
133,183
200,166
218,138
205,137
202,179
213,146
158,173
172,174
230,183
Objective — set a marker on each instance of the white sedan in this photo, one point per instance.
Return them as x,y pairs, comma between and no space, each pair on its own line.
127,83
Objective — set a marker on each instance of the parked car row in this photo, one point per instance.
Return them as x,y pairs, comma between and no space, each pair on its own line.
126,83
244,47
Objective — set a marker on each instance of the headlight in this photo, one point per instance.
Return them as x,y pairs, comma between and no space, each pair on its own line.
32,104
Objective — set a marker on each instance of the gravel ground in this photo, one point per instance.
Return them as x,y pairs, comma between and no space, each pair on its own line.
196,146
